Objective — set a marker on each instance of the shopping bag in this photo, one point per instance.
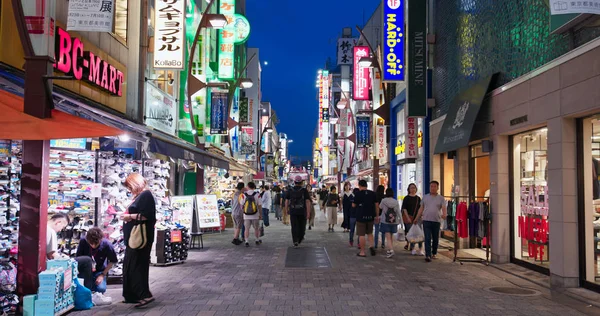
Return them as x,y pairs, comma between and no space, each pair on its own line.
400,236
262,230
82,297
415,234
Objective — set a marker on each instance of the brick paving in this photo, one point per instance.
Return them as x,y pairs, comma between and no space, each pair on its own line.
228,280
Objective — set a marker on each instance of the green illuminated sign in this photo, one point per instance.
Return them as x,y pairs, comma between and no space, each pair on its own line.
242,28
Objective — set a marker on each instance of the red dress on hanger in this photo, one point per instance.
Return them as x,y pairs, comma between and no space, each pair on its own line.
462,221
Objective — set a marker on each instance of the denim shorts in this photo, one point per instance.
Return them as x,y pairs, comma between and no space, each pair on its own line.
388,228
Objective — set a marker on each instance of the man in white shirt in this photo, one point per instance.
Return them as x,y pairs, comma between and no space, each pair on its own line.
251,207
56,223
265,202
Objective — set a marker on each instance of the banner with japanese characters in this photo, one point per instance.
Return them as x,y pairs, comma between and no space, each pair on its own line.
90,15
381,145
363,135
411,147
362,78
567,7
227,40
218,113
169,37
344,50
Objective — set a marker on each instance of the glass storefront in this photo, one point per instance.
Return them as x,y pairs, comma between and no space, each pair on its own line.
591,196
530,197
480,181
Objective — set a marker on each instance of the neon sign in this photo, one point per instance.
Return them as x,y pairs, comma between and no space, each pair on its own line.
85,65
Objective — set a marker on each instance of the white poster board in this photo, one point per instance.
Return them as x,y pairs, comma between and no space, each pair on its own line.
91,15
183,210
208,211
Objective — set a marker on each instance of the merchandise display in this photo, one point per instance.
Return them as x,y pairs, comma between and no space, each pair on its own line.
56,290
171,244
10,189
157,173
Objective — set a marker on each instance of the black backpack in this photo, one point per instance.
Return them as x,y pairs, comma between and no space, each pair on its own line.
250,206
297,202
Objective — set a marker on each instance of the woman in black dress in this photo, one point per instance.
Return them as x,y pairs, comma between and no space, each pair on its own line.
136,265
347,206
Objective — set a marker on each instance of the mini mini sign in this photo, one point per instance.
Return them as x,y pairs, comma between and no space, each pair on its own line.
72,59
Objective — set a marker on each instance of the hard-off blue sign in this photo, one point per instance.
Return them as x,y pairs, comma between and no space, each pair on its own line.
393,40
218,113
363,135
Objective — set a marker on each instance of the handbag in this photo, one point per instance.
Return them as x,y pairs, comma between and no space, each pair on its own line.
138,237
262,230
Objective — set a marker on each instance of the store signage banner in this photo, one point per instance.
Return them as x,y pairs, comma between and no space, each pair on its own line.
247,147
325,115
72,59
417,59
411,147
344,50
381,143
393,39
227,39
161,110
91,15
363,127
208,211
183,210
169,37
324,90
244,118
567,7
533,222
218,113
362,78
74,143
343,122
242,28
4,148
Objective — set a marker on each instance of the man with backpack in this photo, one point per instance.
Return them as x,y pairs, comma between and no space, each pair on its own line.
251,207
298,204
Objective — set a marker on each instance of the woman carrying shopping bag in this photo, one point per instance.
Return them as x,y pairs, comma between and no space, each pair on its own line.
410,206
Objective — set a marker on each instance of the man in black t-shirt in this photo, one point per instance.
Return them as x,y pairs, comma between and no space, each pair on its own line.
367,212
323,193
298,205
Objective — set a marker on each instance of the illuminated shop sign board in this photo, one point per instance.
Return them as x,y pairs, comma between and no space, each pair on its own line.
169,40
73,60
393,40
227,40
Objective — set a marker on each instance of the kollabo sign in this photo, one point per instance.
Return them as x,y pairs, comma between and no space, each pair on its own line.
72,59
393,40
170,36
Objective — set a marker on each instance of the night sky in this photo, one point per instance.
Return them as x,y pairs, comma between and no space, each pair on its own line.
295,38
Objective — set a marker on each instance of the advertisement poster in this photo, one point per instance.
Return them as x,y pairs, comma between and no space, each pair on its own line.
218,113
568,7
208,211
363,135
169,40
393,40
183,212
247,147
4,148
91,15
362,78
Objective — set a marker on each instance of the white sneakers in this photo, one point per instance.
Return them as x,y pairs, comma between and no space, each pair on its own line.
390,253
414,252
100,300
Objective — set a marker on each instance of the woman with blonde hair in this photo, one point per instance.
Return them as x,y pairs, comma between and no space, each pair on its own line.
136,265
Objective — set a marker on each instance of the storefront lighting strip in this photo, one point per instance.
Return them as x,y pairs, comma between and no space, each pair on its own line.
556,62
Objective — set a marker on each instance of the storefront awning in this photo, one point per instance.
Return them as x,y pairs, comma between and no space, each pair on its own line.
462,116
181,150
18,125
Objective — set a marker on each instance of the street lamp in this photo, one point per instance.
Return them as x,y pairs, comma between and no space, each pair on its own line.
246,83
366,62
216,21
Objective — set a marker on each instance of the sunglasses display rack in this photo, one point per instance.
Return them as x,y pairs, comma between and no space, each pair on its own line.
10,189
114,167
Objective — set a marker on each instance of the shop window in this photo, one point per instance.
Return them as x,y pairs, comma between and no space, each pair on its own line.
530,198
591,178
165,81
448,175
481,173
120,22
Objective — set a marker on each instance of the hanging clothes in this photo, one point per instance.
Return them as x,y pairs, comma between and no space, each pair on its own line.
450,219
474,219
462,221
482,209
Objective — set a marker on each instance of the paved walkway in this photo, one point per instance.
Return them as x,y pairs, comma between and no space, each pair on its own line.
228,280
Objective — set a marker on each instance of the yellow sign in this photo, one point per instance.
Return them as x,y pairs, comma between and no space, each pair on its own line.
420,139
399,147
15,57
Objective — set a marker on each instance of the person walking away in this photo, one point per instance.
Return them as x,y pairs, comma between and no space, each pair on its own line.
265,202
323,193
390,218
298,204
136,264
346,206
285,211
379,194
352,220
367,213
333,204
95,257
430,208
410,207
237,214
252,213
277,202
311,218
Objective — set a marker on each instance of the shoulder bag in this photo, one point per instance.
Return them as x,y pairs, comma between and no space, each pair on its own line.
138,237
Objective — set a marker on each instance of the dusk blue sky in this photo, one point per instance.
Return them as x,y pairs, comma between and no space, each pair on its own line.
295,38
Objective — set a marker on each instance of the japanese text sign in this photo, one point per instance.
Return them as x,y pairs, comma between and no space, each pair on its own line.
227,39
218,113
344,50
362,78
324,90
381,142
363,135
90,15
568,7
169,37
411,146
393,40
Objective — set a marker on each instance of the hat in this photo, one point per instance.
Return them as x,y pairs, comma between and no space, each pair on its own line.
298,179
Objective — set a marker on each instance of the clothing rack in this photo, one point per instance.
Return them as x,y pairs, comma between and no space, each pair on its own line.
461,260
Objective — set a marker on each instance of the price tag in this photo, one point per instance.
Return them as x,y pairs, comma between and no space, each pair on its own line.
96,190
175,236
